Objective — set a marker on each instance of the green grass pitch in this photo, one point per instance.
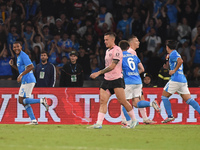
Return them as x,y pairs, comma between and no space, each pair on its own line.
110,137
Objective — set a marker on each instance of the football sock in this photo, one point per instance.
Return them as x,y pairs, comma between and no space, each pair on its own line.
142,104
194,104
29,111
143,113
31,101
100,118
132,115
126,114
122,114
167,105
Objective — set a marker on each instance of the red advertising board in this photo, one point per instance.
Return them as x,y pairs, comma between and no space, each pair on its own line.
81,105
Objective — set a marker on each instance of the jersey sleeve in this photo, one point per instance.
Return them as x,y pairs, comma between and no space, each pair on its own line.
26,60
117,54
174,57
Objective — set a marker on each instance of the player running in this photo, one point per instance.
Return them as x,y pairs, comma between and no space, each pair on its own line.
132,67
113,81
177,83
134,44
27,80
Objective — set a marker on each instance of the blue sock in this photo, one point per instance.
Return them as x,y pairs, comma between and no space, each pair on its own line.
31,101
194,104
126,114
142,104
167,105
29,111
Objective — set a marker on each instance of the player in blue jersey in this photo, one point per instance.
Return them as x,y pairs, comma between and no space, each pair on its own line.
132,67
27,80
177,83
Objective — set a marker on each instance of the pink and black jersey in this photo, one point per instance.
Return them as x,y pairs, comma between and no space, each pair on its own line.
130,50
114,53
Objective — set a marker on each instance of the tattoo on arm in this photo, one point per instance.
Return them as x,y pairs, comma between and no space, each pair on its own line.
115,61
105,70
108,69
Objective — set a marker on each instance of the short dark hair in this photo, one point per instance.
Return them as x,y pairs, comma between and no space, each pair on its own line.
110,34
172,44
17,42
42,52
124,45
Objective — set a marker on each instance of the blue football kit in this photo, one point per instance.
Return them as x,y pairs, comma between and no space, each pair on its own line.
23,61
178,76
130,68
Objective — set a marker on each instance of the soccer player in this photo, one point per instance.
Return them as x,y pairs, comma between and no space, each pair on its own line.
27,80
134,44
177,83
132,67
113,81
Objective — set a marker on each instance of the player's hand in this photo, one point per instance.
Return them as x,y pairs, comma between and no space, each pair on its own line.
171,72
11,62
19,78
94,75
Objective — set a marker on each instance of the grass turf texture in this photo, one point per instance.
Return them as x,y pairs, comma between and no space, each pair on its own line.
110,137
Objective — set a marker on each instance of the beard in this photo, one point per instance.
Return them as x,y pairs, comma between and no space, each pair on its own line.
43,61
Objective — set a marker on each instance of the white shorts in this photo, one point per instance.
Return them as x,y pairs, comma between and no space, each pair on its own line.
133,90
26,89
179,87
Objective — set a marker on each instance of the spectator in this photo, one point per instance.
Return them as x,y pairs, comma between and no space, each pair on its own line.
84,60
45,72
104,17
184,30
18,7
90,11
66,46
123,25
75,43
72,73
153,41
12,35
2,36
31,9
185,49
89,44
57,28
4,14
195,49
47,36
37,40
94,65
59,66
147,80
6,70
29,31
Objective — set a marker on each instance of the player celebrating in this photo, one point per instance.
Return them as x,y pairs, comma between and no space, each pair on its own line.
177,83
113,81
27,80
132,67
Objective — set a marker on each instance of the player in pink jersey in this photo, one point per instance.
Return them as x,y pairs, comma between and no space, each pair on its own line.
134,44
113,81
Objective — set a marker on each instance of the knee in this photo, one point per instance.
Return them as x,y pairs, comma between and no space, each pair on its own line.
20,100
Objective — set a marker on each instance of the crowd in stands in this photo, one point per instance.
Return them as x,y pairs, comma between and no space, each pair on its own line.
61,26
